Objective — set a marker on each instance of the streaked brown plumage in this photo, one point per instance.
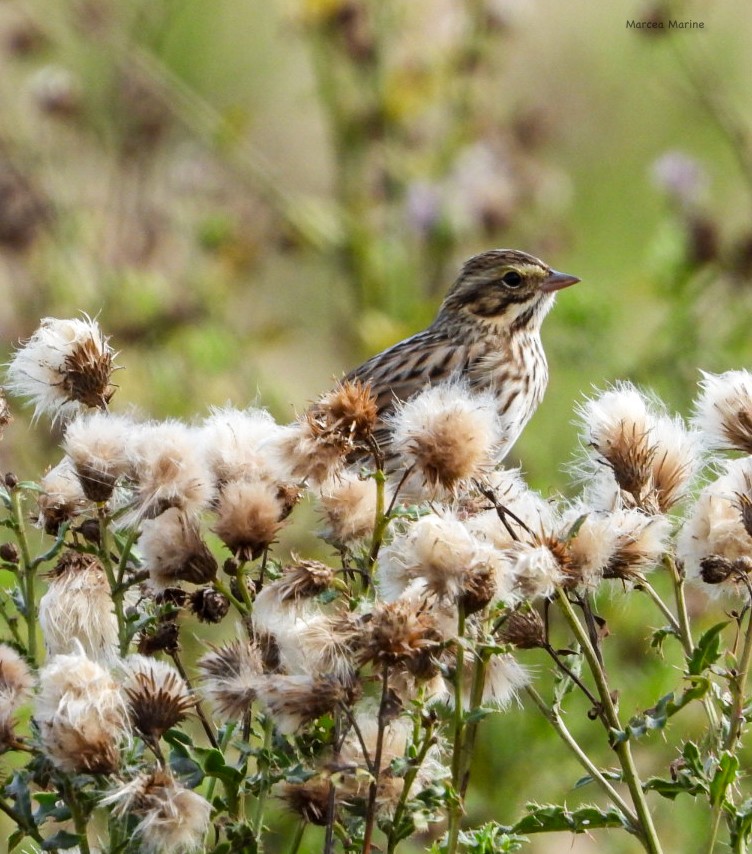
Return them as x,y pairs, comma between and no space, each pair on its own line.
487,331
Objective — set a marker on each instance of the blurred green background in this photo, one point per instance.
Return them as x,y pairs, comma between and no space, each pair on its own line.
253,196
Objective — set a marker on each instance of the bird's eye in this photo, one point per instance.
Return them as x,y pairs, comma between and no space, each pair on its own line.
513,279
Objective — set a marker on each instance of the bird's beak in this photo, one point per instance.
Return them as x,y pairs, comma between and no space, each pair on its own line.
556,281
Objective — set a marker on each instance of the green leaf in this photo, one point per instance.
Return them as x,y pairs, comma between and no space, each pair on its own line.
214,765
672,788
660,635
477,715
707,651
549,818
724,776
62,839
587,779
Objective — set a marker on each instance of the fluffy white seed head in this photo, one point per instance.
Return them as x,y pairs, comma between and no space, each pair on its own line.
715,534
650,456
65,366
249,516
438,555
169,470
81,715
76,611
231,675
172,550
98,445
157,695
62,497
172,818
723,410
234,441
349,504
448,434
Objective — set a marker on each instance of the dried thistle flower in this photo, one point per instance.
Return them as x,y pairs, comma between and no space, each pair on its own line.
310,451
97,444
5,414
249,517
640,543
449,434
396,739
234,443
310,799
231,675
158,697
295,700
16,684
62,497
304,579
524,629
172,819
169,470
349,504
172,550
535,570
76,611
438,555
164,637
652,456
81,715
209,605
66,364
723,410
348,411
398,632
316,643
714,528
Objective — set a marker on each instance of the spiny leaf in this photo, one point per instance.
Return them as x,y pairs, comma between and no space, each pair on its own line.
707,651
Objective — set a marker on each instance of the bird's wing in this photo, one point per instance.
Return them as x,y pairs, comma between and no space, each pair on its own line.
403,370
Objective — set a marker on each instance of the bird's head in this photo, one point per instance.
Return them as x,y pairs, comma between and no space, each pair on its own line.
506,288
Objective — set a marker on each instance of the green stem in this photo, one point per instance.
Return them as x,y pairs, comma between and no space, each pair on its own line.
225,591
20,821
554,718
409,779
737,685
116,590
471,731
622,749
77,814
27,573
455,809
245,596
263,766
298,838
382,519
373,789
207,727
12,623
227,732
125,553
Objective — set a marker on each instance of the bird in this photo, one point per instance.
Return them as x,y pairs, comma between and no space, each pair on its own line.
486,333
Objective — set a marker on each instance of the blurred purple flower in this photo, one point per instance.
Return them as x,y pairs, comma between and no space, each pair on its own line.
680,176
423,206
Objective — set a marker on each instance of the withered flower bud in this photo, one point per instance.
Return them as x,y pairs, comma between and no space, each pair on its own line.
398,632
715,569
157,696
745,509
164,637
524,629
209,605
5,415
90,531
9,553
11,481
478,589
304,579
310,800
349,411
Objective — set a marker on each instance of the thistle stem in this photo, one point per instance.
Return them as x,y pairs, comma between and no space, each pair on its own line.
116,589
298,837
208,729
263,766
645,826
455,809
554,718
373,789
27,573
